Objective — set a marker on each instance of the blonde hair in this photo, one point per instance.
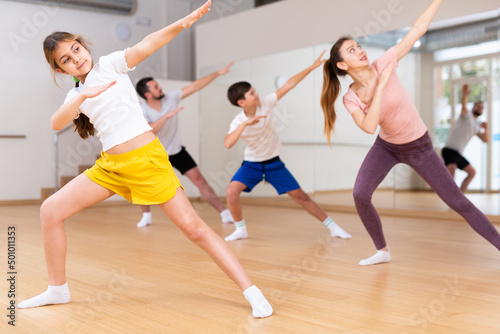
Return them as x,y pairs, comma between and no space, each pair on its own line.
50,44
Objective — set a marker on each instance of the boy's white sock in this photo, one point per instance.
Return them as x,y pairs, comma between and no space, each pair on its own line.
379,257
335,230
145,220
54,295
260,306
226,217
240,233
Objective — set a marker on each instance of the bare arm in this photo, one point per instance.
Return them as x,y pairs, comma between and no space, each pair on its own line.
232,138
156,40
418,29
68,111
369,122
465,99
203,82
484,135
293,81
156,126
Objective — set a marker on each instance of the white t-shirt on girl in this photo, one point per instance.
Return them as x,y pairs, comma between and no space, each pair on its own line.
116,113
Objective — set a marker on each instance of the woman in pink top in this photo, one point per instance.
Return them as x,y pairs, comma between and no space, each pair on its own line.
377,97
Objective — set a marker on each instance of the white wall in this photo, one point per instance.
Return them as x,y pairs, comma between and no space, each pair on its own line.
181,56
28,96
293,24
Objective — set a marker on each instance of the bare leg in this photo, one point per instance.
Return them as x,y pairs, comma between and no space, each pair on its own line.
181,212
300,197
452,168
471,173
207,192
145,208
233,199
78,194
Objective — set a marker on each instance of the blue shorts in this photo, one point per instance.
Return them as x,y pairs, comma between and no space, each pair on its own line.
273,171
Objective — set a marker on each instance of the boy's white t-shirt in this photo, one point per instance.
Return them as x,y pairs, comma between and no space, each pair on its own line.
169,133
116,113
262,139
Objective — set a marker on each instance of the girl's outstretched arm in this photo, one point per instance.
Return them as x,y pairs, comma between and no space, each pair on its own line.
418,29
156,40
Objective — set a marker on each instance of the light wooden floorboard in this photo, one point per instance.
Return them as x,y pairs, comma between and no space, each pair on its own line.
444,278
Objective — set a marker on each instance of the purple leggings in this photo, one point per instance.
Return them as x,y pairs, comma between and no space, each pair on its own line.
419,155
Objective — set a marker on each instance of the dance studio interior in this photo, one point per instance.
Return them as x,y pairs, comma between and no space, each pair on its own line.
441,276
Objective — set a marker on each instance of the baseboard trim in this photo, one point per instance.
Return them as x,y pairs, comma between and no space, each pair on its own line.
441,215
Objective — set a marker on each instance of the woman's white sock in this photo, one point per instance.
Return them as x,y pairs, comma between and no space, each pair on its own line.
379,257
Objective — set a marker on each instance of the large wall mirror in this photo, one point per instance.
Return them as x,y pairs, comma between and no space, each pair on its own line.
433,73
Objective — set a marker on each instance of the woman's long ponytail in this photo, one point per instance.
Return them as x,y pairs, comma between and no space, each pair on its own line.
329,94
331,86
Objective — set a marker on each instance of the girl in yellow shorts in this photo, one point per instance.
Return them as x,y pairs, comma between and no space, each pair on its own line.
133,163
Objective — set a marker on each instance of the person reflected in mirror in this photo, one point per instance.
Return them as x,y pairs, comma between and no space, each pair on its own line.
465,128
376,99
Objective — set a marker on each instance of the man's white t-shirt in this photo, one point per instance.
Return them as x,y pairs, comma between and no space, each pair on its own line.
116,113
262,139
169,133
465,128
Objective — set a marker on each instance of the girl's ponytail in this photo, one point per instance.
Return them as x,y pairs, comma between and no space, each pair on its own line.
82,124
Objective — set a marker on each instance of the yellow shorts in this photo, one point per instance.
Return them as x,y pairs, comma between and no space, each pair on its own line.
143,176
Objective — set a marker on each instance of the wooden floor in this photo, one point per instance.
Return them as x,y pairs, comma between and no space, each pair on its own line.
444,278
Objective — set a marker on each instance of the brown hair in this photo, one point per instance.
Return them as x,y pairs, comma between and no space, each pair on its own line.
50,44
331,85
237,92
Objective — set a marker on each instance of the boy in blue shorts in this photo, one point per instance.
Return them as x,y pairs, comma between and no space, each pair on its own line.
255,126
